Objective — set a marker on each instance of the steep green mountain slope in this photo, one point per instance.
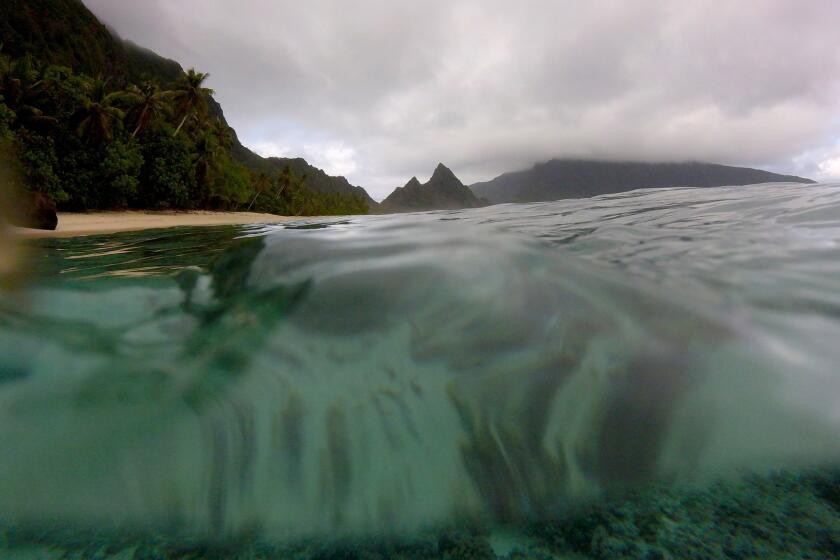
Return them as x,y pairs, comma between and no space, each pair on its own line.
315,178
65,33
61,32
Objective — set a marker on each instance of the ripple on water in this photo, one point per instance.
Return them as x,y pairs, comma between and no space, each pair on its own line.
388,374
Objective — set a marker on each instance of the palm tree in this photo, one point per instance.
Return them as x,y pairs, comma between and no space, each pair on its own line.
190,95
287,191
149,104
21,88
19,81
222,134
5,62
284,182
93,119
59,90
204,158
261,184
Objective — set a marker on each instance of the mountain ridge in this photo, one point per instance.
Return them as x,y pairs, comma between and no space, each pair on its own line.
580,178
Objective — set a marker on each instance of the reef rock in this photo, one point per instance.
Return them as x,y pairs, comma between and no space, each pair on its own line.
34,210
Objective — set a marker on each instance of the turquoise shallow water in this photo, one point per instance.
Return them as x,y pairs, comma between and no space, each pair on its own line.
644,375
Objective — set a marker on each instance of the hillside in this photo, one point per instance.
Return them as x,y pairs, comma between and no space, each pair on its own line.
574,178
315,178
444,191
61,32
66,33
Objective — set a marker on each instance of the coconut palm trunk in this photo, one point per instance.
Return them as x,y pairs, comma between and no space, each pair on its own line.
140,122
253,200
191,95
177,130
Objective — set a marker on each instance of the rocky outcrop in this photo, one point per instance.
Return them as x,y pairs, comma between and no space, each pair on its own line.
34,210
444,191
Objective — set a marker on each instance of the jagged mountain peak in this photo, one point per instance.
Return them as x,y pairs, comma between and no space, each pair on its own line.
443,173
444,191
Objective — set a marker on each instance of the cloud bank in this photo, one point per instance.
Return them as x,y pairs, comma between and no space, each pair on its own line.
380,90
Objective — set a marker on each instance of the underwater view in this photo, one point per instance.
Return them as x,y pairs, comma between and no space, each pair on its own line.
650,374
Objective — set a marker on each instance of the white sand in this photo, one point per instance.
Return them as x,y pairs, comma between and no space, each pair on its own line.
92,223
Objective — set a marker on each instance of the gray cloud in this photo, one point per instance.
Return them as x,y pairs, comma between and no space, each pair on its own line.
380,90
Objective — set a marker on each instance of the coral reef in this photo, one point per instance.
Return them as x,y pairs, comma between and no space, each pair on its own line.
784,515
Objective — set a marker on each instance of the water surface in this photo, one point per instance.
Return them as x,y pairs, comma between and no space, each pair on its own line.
386,377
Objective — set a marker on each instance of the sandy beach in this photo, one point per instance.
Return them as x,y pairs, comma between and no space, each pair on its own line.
72,224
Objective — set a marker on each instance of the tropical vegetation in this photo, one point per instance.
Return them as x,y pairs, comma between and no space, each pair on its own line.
94,142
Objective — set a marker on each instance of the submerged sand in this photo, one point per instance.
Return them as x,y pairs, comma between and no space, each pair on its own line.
72,224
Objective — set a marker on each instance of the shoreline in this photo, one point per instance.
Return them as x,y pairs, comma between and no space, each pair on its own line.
77,224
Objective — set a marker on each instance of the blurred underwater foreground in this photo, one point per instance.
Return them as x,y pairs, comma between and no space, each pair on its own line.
651,374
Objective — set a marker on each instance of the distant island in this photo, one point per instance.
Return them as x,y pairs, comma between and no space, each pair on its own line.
444,191
578,178
92,122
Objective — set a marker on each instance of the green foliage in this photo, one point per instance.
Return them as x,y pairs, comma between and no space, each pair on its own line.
287,194
230,187
58,32
7,116
119,172
40,163
93,143
167,178
97,113
190,96
148,105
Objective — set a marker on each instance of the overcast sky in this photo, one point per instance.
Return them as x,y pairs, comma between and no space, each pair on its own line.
380,90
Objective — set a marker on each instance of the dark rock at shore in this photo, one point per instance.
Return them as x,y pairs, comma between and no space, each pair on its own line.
34,210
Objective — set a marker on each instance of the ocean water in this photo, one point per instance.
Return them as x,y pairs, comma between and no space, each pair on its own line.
653,374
